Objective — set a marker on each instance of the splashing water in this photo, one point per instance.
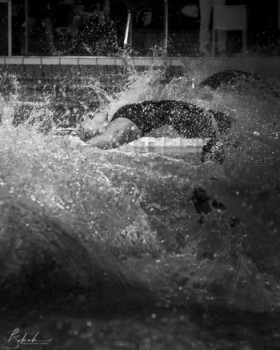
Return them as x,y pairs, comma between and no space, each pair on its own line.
139,204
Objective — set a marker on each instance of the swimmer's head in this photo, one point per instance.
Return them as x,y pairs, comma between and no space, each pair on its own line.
97,125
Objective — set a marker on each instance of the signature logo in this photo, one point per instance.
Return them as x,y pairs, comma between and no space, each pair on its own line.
16,340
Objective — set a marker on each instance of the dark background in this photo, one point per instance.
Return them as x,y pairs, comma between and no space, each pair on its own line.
262,20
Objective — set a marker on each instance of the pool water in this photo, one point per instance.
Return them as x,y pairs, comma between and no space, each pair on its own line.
216,276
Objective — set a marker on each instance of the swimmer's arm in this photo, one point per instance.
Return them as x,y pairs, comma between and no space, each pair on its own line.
119,132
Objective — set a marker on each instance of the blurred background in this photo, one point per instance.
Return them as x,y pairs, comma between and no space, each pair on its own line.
91,27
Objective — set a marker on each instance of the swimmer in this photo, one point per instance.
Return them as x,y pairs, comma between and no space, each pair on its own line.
232,78
228,77
133,121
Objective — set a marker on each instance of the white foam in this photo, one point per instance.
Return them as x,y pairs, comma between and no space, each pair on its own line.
164,145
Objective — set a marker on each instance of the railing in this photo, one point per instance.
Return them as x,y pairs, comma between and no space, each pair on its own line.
128,30
165,27
6,27
26,29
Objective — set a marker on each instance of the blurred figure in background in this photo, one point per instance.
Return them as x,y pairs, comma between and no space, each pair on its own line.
40,18
18,18
85,15
206,7
117,11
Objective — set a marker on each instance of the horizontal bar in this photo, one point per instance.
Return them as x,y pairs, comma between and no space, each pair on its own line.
267,67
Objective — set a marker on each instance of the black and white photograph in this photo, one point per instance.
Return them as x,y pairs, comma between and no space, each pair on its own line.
139,175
